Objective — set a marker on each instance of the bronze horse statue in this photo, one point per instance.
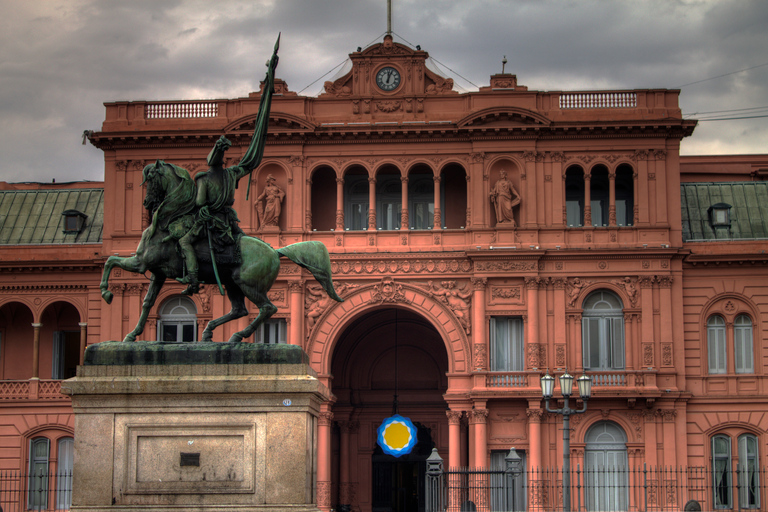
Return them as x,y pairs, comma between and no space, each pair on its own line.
250,273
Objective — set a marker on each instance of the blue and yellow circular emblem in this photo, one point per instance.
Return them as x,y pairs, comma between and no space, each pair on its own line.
397,435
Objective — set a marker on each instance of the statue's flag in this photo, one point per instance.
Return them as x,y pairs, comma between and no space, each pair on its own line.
397,435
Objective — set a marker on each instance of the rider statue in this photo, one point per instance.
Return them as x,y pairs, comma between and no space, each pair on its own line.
215,219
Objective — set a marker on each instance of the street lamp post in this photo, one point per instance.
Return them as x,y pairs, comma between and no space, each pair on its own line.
566,388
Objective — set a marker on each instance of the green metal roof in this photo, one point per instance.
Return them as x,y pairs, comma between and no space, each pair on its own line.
749,212
35,216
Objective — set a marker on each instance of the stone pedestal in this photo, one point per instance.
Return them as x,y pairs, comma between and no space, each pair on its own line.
203,426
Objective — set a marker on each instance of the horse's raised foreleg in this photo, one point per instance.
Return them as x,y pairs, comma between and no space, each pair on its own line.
238,310
266,310
132,264
155,284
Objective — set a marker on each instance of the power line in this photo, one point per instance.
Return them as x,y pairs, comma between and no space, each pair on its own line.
721,76
731,118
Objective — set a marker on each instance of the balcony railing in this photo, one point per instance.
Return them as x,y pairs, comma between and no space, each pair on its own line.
182,110
583,100
612,379
33,389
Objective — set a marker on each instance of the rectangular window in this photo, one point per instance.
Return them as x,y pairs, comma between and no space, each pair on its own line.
66,453
506,335
742,331
66,354
749,472
356,218
388,215
721,472
603,340
422,215
271,332
37,494
508,491
716,347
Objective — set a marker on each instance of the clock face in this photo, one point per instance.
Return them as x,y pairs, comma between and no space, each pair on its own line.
388,79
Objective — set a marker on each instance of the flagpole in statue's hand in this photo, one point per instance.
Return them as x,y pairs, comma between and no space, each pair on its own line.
253,155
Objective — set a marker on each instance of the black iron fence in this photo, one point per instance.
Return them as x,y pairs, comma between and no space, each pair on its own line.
39,491
630,489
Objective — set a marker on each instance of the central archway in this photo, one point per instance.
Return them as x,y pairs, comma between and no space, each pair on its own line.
382,356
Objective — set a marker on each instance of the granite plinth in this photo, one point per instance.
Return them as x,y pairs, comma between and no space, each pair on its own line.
116,353
197,431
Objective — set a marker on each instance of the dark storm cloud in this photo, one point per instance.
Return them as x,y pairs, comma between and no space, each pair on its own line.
60,60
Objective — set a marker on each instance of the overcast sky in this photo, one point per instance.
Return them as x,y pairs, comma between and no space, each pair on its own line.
60,60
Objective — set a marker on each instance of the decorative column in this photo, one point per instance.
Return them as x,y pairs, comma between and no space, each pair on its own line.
308,214
558,189
479,337
339,204
587,199
404,203
528,212
535,488
371,204
345,495
641,189
82,325
660,157
666,312
668,426
477,196
454,438
611,198
36,350
296,290
651,447
561,325
478,417
646,324
324,424
438,221
532,287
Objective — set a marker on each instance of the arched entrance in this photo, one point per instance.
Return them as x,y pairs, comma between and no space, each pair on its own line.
606,467
383,353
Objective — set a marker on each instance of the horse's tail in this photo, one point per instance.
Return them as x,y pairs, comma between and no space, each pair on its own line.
314,257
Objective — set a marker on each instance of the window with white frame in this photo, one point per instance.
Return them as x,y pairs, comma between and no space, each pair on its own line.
388,202
272,331
47,469
721,472
742,344
37,490
506,337
716,352
507,490
602,332
356,202
749,472
178,320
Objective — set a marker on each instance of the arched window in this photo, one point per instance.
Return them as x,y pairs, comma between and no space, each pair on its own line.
574,196
37,494
749,472
47,470
721,472
625,196
389,198
356,200
605,460
65,463
421,199
602,332
742,345
599,195
716,353
178,320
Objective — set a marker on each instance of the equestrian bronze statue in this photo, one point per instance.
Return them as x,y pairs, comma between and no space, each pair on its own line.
194,236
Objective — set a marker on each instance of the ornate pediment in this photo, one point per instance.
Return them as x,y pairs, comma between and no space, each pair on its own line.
503,116
278,121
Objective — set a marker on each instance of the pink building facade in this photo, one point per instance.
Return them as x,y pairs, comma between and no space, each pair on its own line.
479,240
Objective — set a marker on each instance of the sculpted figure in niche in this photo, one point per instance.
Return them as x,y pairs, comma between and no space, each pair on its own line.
272,197
457,300
504,198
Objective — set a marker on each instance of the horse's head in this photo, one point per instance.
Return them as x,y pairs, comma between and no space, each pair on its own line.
155,177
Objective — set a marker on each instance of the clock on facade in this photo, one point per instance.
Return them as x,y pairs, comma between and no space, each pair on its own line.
388,79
